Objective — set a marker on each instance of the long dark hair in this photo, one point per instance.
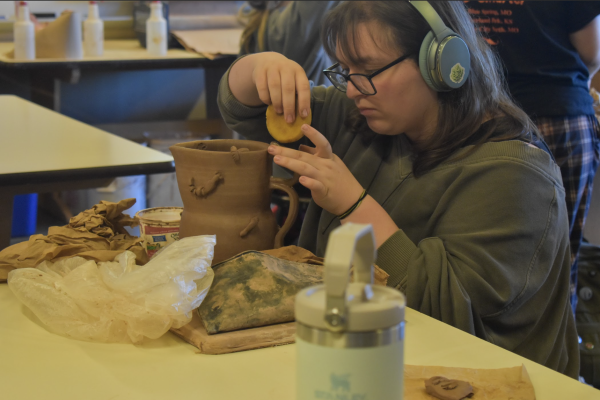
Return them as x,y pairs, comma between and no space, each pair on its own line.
254,16
461,111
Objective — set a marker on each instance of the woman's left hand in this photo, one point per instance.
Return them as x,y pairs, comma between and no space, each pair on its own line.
331,183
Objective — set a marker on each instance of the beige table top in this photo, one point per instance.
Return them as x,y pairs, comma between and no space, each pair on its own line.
38,364
40,143
114,50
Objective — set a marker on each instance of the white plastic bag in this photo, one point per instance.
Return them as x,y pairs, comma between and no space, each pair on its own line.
119,301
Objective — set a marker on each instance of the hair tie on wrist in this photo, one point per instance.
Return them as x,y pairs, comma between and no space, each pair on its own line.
354,206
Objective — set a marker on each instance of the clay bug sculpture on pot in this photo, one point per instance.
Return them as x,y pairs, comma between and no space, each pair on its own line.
226,188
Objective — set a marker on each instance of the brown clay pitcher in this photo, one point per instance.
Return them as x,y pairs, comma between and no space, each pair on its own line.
226,190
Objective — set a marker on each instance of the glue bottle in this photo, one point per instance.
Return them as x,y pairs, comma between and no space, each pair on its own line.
24,34
93,32
156,31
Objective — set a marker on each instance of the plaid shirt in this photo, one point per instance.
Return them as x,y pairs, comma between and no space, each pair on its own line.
575,144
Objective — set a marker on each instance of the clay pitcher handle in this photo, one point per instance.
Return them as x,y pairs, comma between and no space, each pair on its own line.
292,181
286,186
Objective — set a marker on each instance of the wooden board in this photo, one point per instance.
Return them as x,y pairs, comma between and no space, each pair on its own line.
230,342
255,338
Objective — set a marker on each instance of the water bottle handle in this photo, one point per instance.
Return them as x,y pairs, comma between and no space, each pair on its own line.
350,244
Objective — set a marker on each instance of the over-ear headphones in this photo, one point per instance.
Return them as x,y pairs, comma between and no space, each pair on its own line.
444,58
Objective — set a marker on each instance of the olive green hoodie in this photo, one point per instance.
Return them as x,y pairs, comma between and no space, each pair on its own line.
483,243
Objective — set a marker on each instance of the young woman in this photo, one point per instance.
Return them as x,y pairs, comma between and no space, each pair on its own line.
466,202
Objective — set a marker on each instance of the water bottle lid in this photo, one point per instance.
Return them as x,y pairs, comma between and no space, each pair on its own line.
339,306
368,307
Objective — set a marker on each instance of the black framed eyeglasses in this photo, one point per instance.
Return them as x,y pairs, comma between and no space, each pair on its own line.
362,82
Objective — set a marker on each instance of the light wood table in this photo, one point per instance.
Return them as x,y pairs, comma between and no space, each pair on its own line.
114,51
119,55
36,364
43,151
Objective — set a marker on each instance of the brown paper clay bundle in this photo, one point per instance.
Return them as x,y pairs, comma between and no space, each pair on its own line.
281,130
448,389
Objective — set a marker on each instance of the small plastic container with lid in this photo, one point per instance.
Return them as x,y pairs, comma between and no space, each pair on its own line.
350,336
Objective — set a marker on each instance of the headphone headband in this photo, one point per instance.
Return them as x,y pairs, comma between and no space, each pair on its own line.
440,30
444,58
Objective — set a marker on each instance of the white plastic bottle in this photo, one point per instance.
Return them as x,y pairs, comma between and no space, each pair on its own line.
24,34
93,32
156,31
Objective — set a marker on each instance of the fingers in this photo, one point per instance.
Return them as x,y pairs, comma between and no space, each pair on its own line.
294,154
322,146
262,87
307,149
288,95
303,91
316,187
274,82
298,166
286,87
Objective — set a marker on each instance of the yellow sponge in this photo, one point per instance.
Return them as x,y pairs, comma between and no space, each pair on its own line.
281,130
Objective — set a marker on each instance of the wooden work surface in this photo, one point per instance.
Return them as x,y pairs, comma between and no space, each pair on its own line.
37,364
230,342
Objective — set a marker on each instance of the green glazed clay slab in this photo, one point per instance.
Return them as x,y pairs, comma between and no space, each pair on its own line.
255,289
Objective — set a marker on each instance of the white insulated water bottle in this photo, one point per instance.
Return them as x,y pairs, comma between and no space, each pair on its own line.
24,34
156,31
350,336
93,32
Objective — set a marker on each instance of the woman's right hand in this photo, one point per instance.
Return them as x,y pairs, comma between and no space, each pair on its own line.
271,78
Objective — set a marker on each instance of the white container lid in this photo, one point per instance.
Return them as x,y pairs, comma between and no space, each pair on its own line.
160,215
384,310
339,306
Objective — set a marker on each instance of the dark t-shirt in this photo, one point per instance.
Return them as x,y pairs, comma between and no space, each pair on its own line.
545,74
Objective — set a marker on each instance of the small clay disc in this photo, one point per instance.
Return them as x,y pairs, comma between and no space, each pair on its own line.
281,130
448,389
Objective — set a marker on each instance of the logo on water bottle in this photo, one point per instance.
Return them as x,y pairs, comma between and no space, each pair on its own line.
340,389
340,382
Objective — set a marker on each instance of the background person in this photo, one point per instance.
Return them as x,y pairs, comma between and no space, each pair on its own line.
550,50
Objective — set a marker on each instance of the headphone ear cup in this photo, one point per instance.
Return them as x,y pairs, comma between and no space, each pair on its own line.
424,61
453,63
